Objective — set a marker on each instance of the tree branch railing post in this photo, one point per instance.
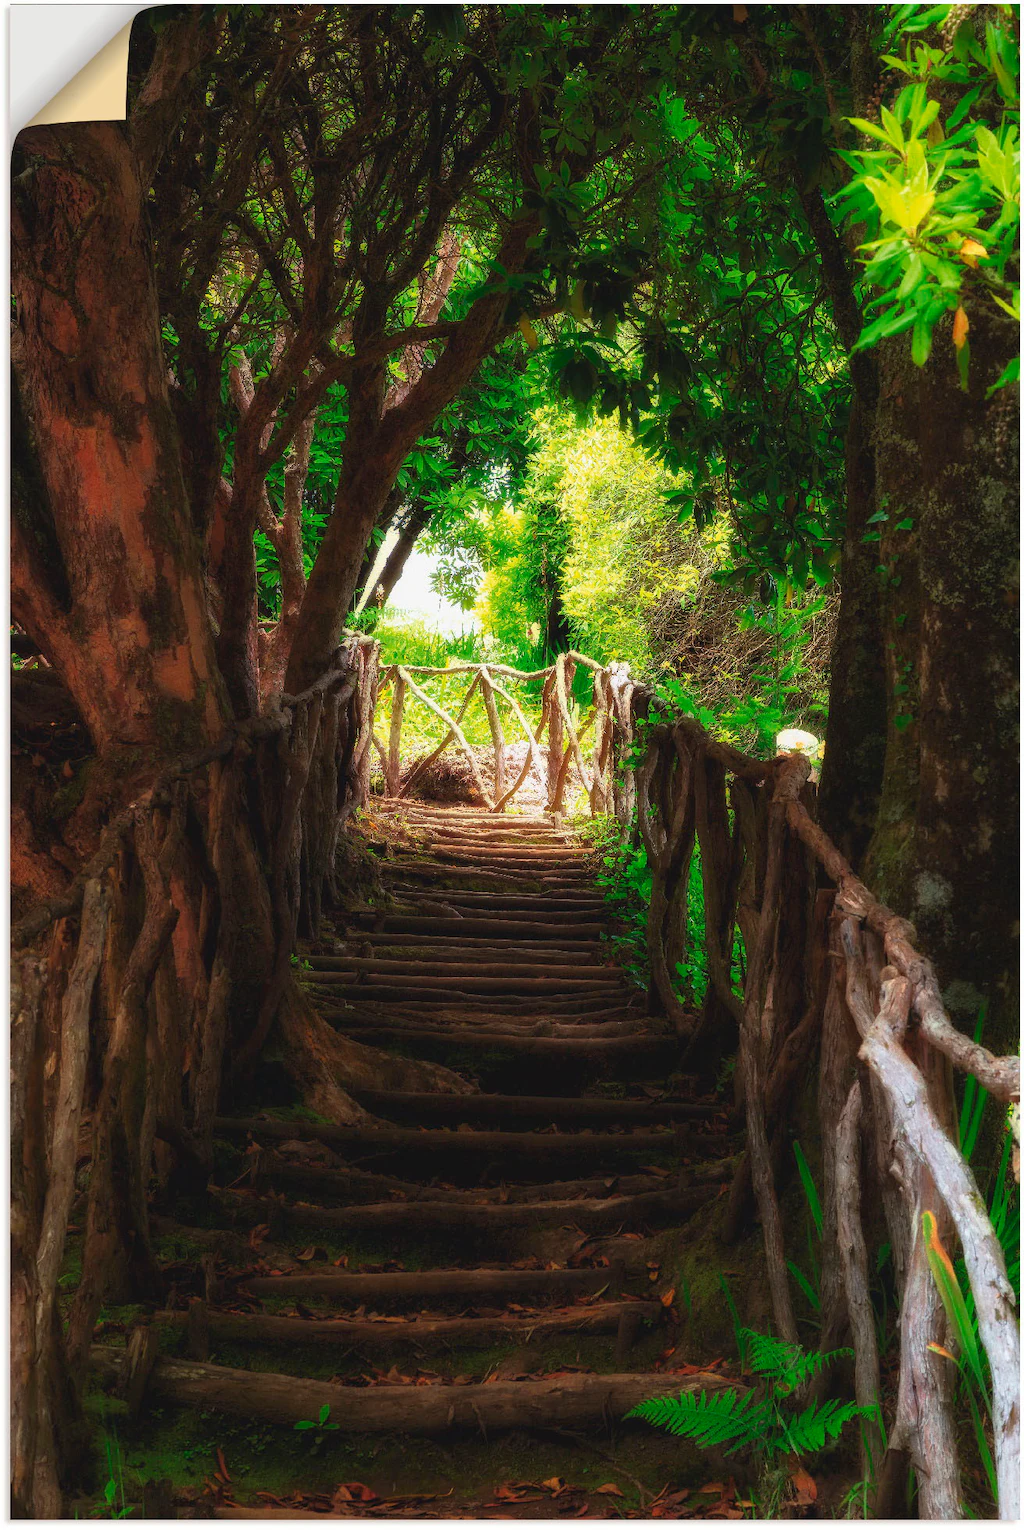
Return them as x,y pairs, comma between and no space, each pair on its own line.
109,997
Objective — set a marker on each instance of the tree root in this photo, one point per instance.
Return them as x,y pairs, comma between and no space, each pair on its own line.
324,1064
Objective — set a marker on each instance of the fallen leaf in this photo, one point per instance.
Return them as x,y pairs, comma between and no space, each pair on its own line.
806,1487
360,1492
307,1253
668,1297
610,1490
712,1487
937,1349
555,1484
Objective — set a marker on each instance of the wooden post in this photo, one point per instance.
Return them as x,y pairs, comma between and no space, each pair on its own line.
394,765
497,737
556,742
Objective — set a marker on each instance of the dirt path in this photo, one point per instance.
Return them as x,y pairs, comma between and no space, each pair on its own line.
461,1289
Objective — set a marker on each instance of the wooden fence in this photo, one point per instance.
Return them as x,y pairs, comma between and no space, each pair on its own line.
824,968
551,760
105,1031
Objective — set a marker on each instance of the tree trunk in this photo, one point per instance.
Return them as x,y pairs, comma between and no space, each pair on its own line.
557,637
944,852
415,524
385,521
127,625
378,441
107,578
851,775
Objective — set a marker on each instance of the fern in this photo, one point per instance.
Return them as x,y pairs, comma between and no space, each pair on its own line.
818,1425
710,1419
760,1420
787,1365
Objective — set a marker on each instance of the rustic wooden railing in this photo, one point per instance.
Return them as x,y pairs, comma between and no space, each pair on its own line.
564,748
827,968
105,1032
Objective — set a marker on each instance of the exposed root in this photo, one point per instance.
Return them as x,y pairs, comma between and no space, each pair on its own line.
322,1063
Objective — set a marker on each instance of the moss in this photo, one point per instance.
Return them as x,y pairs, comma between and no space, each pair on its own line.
182,1445
71,796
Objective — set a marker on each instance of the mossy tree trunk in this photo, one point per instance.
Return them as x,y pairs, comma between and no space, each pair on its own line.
945,847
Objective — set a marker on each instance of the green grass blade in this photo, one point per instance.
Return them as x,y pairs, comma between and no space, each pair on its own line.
810,1188
804,1284
949,1290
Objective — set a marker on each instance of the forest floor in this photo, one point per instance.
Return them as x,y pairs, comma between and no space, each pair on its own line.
447,1311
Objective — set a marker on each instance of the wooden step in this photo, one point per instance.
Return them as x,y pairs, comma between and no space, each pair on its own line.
590,1047
361,1140
565,1402
445,924
354,1186
546,1110
474,948
527,902
261,1328
466,978
629,1213
436,966
407,1287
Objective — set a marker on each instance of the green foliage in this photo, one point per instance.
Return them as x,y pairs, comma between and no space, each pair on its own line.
737,1327
782,690
810,1188
113,1504
937,190
318,1427
761,1420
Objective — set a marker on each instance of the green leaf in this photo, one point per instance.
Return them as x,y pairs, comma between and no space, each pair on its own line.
810,1188
1009,374
921,343
963,363
952,1298
804,1284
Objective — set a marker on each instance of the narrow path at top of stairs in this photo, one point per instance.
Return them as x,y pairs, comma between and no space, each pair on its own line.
459,1294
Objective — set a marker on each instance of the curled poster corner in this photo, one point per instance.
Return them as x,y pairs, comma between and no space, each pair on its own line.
69,63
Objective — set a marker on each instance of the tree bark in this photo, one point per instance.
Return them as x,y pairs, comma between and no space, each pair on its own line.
945,851
413,527
126,626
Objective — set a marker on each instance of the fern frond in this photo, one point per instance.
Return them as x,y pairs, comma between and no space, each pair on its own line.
816,1426
786,1364
708,1418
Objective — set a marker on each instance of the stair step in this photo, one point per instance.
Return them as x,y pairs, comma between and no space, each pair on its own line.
518,973
596,1047
262,1328
447,924
408,1286
627,1212
545,1109
396,1139
564,1401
